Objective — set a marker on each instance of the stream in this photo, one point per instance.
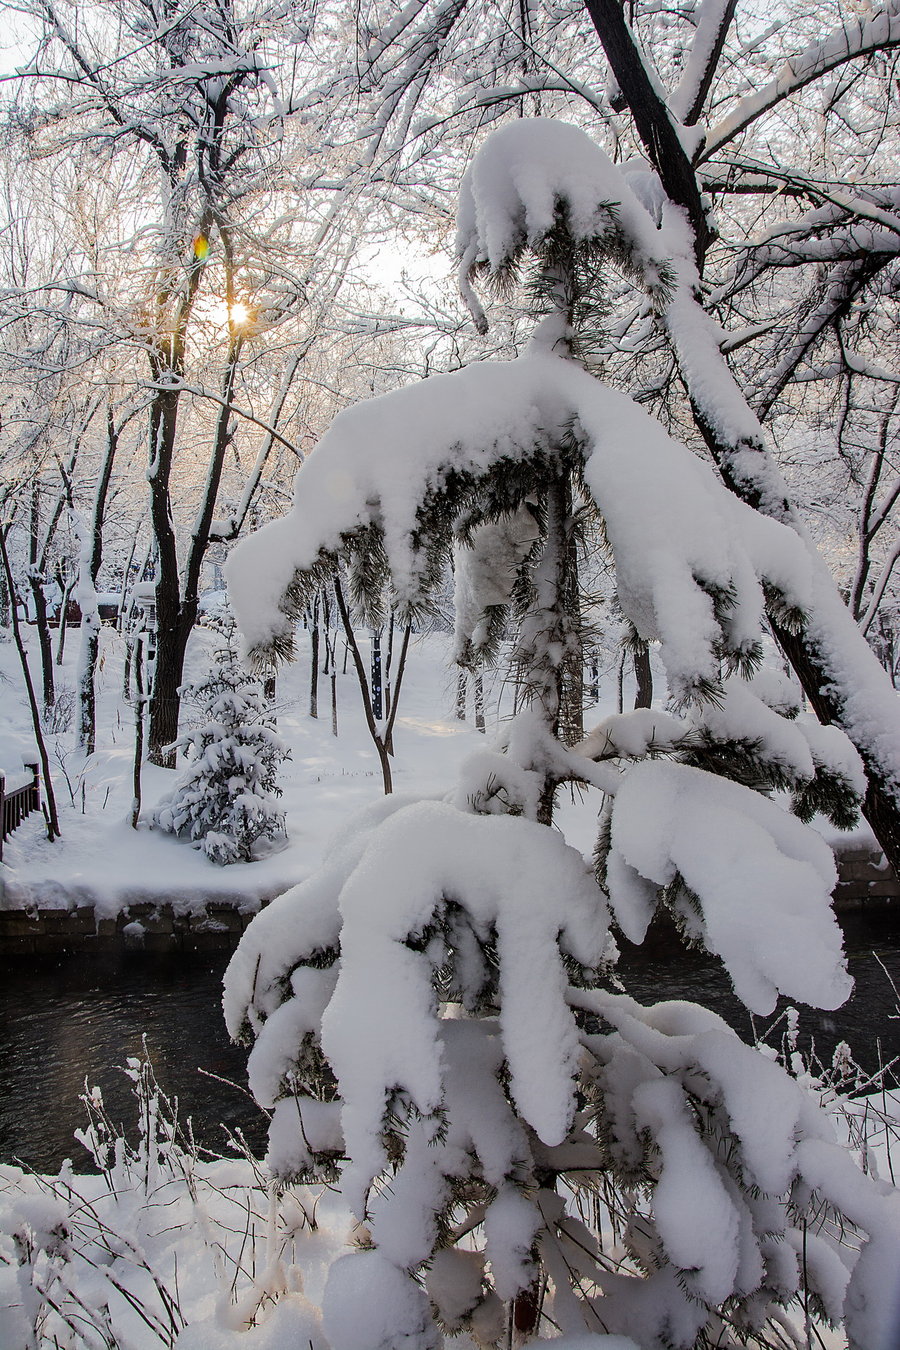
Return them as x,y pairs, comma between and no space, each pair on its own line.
67,1021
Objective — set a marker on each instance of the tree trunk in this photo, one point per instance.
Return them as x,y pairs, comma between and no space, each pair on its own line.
177,606
53,831
389,656
651,117
594,690
377,677
42,625
87,696
572,710
314,659
384,758
164,699
138,665
65,589
327,668
552,640
92,557
643,697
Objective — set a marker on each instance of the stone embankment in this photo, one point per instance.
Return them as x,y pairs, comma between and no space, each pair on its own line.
48,927
145,926
864,878
44,920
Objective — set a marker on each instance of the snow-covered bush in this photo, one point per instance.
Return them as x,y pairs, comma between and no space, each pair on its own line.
162,1245
225,800
529,1151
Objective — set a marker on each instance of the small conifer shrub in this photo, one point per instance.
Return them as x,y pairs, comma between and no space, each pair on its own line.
226,798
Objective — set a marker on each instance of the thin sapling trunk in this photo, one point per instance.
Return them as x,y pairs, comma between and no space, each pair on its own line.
53,830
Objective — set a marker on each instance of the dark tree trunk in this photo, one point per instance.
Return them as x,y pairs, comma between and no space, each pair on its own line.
167,676
87,695
39,601
176,606
90,624
314,659
138,664
53,831
384,758
643,696
479,701
36,582
164,699
572,709
61,637
381,736
594,689
387,666
327,668
377,677
651,117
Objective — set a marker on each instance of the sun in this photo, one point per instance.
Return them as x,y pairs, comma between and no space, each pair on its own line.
239,313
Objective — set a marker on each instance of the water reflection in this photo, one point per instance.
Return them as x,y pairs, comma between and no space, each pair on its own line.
65,1021
869,1021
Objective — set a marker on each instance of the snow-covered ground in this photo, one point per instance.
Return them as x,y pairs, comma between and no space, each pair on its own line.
100,859
163,1248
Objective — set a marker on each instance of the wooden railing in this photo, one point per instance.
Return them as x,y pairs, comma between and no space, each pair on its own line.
16,805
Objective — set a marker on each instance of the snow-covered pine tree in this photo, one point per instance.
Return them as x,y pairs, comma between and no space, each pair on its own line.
225,799
529,1152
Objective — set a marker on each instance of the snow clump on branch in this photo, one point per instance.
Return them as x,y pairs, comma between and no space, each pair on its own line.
526,177
689,557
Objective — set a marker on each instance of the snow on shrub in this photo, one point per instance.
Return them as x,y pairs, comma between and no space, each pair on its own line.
225,800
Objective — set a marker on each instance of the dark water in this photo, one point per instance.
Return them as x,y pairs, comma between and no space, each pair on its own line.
869,1021
64,1021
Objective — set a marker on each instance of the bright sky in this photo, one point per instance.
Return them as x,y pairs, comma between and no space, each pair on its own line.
14,47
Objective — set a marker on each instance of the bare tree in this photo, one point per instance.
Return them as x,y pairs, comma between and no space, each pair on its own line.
188,109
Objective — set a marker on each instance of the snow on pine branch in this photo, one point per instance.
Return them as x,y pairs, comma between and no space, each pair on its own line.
688,556
398,900
661,1069
771,925
523,177
677,832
